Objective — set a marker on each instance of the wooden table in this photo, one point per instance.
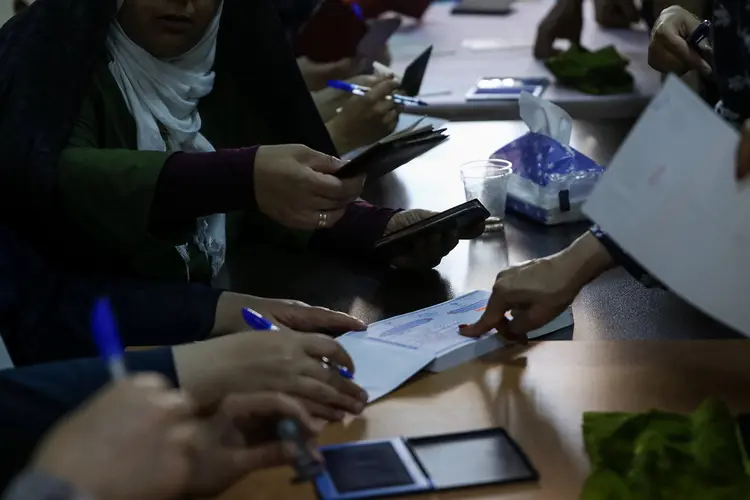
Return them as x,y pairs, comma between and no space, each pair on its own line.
538,395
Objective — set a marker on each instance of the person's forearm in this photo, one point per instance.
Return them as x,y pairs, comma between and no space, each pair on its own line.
357,231
587,259
193,185
35,398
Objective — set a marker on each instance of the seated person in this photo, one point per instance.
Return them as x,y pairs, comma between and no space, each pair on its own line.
138,438
34,398
537,291
351,121
155,157
45,310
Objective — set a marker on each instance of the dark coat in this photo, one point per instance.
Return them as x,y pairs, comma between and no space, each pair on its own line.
47,56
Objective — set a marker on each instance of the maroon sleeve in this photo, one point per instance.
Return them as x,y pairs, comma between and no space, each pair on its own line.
193,185
358,230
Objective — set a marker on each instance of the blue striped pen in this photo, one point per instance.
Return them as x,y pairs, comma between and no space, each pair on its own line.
107,339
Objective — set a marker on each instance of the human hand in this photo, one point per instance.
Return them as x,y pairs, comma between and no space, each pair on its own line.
329,100
287,362
294,186
563,22
241,437
366,119
616,13
132,440
668,51
536,292
317,75
743,152
429,250
291,314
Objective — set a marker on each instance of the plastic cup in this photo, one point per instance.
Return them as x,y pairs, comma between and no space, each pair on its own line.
487,181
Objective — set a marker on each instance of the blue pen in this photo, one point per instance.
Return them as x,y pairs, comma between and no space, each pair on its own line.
104,330
358,10
362,91
256,321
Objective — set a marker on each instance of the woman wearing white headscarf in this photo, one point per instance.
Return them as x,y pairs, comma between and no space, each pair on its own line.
157,156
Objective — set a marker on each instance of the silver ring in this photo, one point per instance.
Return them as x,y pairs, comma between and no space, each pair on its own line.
322,220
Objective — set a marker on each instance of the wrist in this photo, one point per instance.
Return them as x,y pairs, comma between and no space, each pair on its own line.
228,317
586,259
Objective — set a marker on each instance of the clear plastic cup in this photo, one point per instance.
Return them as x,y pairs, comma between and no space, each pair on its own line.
487,181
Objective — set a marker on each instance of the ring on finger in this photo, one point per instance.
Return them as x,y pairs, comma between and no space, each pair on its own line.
323,220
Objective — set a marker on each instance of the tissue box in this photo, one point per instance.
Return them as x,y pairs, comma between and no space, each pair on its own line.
550,181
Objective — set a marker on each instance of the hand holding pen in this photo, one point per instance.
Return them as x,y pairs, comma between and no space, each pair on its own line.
362,91
256,321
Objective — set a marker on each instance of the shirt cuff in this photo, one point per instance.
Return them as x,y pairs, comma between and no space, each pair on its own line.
36,485
624,260
357,231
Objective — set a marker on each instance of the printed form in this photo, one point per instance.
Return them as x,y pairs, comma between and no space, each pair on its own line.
391,351
671,201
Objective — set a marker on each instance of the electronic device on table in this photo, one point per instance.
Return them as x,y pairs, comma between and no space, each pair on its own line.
402,466
506,88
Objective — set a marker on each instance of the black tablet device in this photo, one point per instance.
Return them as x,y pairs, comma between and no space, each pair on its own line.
464,216
402,466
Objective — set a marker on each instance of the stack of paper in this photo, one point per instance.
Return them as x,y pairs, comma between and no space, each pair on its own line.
671,201
390,352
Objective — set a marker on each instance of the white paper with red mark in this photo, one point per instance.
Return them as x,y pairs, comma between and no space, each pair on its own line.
671,201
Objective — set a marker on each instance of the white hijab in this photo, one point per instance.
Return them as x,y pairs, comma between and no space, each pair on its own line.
167,92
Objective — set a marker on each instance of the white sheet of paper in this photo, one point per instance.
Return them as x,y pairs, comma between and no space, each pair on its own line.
381,368
391,351
671,201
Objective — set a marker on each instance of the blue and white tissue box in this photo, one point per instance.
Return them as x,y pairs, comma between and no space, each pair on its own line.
550,181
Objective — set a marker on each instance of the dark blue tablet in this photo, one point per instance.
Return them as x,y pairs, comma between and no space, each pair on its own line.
504,88
402,466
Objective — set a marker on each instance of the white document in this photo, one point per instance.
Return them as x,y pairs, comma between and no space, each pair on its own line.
671,201
391,351
382,368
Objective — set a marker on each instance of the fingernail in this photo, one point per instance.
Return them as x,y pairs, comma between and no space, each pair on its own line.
364,396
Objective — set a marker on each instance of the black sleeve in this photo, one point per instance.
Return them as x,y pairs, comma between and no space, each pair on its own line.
44,311
623,259
34,398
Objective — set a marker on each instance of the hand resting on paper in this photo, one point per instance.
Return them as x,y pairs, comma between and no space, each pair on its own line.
291,314
429,251
536,292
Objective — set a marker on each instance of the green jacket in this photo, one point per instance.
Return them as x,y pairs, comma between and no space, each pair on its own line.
107,185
